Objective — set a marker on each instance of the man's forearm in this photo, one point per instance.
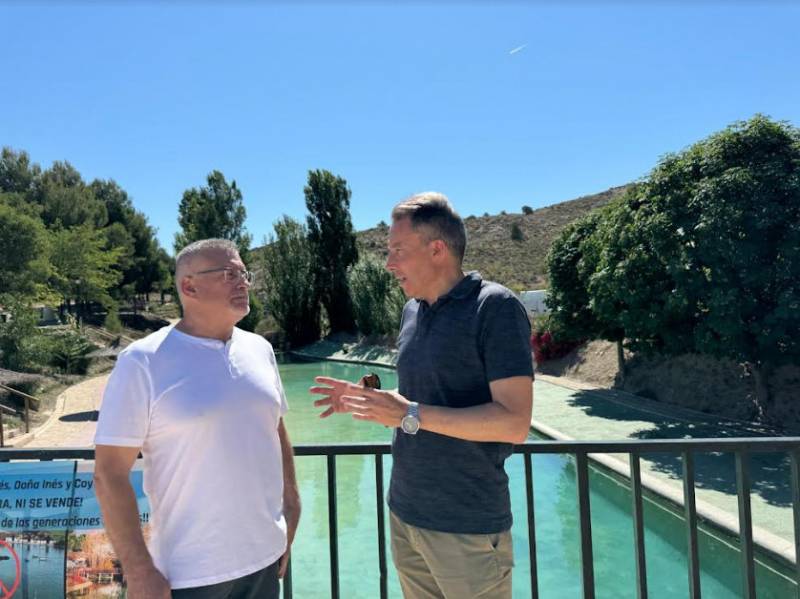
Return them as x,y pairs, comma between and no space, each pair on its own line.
486,422
121,517
291,492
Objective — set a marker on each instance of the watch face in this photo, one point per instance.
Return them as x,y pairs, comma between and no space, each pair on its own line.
410,425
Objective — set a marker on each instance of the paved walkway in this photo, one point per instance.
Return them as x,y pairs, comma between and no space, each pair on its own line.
71,424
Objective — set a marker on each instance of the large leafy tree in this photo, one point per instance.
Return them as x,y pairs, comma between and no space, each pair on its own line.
725,215
24,253
578,308
85,266
288,282
17,173
215,210
568,297
704,255
140,261
65,200
333,244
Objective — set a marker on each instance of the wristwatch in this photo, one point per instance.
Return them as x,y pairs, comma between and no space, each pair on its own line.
410,422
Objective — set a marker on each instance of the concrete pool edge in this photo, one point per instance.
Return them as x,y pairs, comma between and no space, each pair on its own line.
775,547
313,357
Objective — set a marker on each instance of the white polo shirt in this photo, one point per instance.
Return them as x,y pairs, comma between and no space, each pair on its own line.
205,414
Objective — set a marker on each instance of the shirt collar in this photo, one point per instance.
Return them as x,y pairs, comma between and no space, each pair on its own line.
461,289
465,286
204,341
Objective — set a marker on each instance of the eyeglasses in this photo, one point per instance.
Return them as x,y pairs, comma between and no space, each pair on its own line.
230,275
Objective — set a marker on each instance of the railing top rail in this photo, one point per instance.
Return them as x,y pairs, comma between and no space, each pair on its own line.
7,410
639,446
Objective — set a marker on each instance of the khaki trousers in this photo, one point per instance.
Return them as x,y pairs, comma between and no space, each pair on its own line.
443,565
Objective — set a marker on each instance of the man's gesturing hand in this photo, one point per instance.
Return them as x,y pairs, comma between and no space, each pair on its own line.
383,407
333,393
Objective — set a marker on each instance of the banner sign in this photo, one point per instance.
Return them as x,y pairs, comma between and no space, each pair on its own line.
52,541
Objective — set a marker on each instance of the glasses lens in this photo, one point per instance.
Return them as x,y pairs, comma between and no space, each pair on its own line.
232,275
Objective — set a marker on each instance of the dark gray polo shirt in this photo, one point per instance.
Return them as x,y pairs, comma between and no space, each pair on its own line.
448,354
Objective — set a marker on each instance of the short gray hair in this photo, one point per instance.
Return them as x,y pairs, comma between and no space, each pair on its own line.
194,249
434,214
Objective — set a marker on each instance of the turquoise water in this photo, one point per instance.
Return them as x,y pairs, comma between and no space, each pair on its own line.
558,544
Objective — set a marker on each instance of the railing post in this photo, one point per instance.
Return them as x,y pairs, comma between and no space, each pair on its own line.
638,526
333,528
745,524
287,581
794,459
690,511
587,558
381,526
531,527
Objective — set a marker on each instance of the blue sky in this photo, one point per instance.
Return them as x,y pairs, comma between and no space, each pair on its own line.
393,99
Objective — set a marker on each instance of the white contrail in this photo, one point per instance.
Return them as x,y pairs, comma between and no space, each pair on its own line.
518,49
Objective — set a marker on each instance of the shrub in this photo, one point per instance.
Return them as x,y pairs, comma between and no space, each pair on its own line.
516,232
112,322
19,349
69,352
527,210
547,342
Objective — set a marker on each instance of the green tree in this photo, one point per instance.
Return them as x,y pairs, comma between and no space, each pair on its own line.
572,265
24,253
85,268
289,282
377,298
569,270
216,210
164,275
18,336
527,210
17,173
718,227
65,200
333,243
141,263
632,283
516,232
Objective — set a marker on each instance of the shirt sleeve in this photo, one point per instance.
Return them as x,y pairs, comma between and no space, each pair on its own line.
125,412
506,339
278,382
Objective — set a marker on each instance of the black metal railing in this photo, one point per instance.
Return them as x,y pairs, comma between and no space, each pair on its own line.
581,450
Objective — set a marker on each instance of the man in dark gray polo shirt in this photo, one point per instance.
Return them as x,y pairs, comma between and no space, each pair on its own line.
465,395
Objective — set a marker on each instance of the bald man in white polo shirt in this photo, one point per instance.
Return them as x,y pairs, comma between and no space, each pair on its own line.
203,402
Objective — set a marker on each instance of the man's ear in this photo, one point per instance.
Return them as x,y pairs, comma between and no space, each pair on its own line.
439,248
188,287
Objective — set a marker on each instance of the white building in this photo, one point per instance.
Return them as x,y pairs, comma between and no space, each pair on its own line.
535,302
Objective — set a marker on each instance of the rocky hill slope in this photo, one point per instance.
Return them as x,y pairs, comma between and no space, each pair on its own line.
517,263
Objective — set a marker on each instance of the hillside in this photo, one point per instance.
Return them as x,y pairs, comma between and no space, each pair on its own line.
519,264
